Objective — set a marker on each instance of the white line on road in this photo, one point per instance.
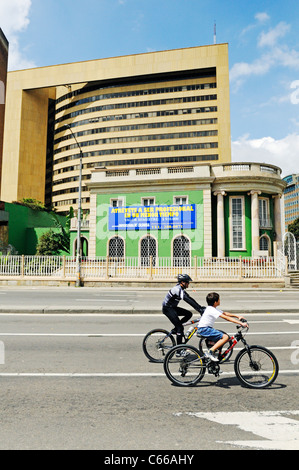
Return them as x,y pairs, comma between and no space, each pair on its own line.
277,429
108,374
84,335
128,315
100,335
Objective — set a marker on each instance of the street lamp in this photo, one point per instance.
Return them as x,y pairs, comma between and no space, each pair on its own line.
78,254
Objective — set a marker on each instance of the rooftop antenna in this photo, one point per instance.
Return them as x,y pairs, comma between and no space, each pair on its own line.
214,32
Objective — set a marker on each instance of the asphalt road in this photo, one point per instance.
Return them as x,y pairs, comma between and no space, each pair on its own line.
73,381
136,300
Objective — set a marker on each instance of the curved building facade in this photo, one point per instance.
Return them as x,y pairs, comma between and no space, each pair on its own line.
146,124
147,110
3,78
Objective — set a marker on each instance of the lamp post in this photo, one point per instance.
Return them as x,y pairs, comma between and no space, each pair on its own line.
78,254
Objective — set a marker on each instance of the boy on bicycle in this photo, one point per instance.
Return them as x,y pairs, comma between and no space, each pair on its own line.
173,312
206,324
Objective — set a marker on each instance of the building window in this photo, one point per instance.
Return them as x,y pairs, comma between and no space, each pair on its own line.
264,243
116,248
119,202
264,213
180,200
237,223
148,201
148,248
181,251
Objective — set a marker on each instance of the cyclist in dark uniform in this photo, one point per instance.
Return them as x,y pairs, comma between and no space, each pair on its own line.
171,309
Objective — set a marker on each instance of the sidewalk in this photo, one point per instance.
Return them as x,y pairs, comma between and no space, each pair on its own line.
124,300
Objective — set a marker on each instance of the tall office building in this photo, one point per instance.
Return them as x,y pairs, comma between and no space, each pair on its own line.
147,110
3,75
291,199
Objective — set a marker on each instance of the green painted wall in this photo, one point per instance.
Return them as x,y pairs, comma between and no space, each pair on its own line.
163,237
248,238
84,241
26,225
248,247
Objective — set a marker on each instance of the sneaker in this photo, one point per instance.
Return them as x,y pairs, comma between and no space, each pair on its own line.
211,355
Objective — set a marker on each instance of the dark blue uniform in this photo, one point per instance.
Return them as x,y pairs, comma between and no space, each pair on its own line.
171,309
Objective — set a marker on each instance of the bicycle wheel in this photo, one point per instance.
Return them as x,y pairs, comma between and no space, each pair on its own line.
256,367
184,365
157,343
205,344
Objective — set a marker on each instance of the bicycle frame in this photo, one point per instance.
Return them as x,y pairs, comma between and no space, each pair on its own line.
235,339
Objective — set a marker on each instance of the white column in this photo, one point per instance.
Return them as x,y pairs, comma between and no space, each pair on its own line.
255,223
220,224
277,217
207,211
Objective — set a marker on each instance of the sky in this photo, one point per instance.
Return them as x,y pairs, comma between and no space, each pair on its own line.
263,54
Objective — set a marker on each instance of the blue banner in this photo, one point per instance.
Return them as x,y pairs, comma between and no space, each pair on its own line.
152,217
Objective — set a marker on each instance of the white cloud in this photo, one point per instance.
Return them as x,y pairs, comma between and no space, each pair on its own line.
258,67
262,17
14,19
270,38
280,152
277,54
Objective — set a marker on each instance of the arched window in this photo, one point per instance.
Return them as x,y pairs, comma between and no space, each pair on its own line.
148,248
181,251
84,246
116,248
264,244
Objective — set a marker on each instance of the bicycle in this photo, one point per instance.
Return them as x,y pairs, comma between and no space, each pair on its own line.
159,341
255,366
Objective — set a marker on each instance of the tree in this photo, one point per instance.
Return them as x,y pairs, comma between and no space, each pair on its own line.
294,228
31,203
53,243
49,244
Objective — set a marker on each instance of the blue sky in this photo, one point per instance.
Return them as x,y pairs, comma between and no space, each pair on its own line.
263,53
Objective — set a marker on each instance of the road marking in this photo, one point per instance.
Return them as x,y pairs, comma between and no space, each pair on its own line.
80,374
102,300
100,335
279,431
108,374
83,335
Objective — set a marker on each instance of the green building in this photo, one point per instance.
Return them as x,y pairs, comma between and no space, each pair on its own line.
179,212
21,227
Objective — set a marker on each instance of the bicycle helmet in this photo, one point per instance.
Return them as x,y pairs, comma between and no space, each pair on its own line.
184,278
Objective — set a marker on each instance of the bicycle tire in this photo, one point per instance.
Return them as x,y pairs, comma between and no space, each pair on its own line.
153,347
257,370
203,340
184,365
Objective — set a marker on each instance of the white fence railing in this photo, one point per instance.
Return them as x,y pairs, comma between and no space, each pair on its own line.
152,268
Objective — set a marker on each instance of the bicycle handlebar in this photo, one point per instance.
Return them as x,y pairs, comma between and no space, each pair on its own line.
243,320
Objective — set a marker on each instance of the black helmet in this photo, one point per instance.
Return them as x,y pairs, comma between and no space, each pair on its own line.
184,278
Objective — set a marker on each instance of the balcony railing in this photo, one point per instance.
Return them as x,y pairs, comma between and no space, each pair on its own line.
266,222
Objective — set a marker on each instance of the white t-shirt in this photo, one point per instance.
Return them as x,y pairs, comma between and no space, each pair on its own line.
209,317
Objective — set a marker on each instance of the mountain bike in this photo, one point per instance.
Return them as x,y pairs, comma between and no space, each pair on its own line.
255,366
159,341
